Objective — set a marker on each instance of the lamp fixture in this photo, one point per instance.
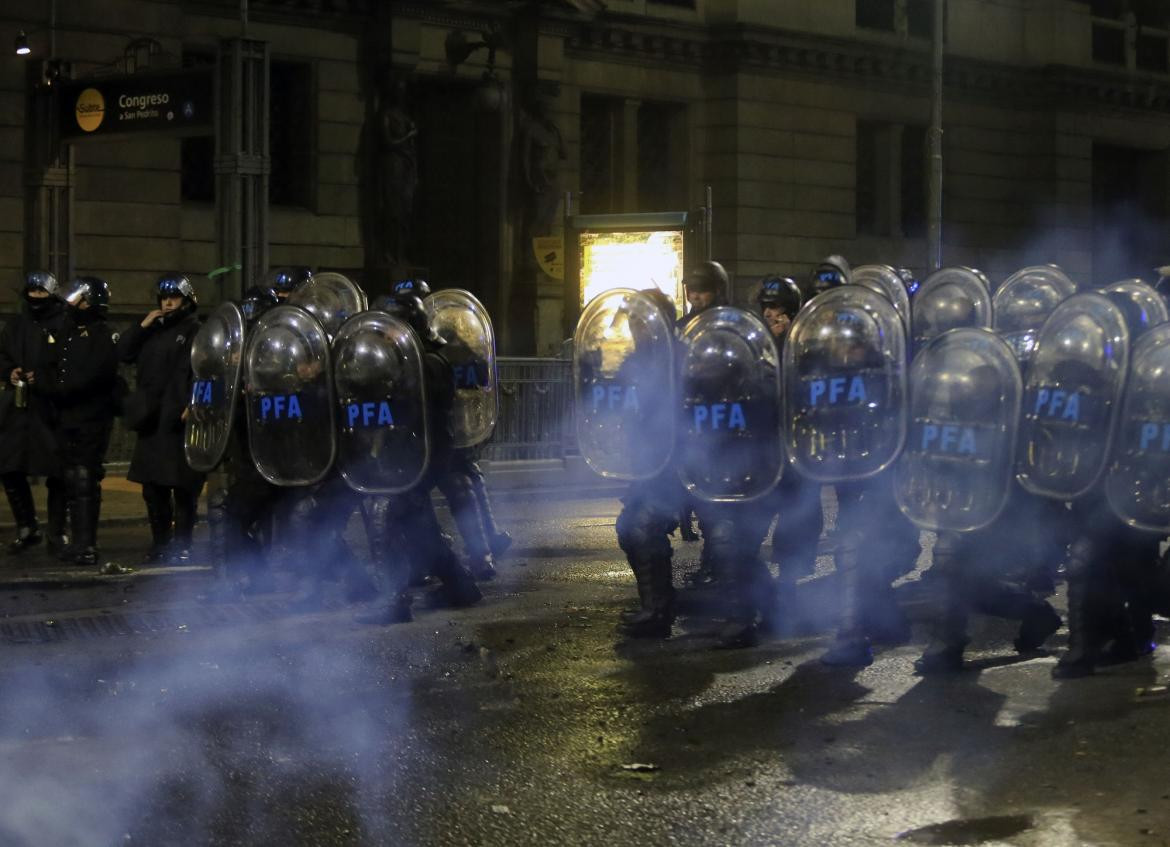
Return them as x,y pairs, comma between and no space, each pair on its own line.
21,44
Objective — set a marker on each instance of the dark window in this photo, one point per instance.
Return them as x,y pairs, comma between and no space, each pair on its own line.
915,167
196,155
597,151
920,18
1108,44
875,14
1151,53
867,146
1151,13
1112,9
290,134
655,183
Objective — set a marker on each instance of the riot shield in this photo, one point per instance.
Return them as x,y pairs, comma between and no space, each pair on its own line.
949,298
217,354
624,383
1072,393
462,321
730,445
383,444
331,298
1024,301
885,281
1142,306
956,469
289,392
1138,482
845,385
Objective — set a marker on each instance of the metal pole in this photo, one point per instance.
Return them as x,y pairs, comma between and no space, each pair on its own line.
707,223
934,227
53,29
243,18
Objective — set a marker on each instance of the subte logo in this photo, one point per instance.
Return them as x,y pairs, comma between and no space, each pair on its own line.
90,109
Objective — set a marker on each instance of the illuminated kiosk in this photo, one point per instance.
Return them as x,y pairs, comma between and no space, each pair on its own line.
642,250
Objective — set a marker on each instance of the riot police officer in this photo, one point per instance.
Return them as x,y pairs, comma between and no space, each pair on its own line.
796,500
82,388
706,285
28,350
160,346
405,525
284,281
829,273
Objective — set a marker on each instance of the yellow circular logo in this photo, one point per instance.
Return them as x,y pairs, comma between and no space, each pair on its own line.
90,109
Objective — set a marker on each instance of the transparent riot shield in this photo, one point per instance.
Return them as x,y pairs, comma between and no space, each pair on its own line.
1138,481
217,354
289,392
845,385
624,383
950,298
956,469
885,281
730,443
1071,397
331,298
1024,301
462,321
383,444
1142,306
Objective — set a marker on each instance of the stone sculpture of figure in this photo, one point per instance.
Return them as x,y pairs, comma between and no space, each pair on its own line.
397,169
541,152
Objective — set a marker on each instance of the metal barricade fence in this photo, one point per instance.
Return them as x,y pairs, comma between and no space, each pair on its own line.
535,420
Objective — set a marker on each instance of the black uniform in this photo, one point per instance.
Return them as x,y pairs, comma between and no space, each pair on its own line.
82,388
154,411
28,442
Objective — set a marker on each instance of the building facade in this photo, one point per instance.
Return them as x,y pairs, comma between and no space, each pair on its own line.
442,137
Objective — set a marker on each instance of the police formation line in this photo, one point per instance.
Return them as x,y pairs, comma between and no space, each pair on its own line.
1029,430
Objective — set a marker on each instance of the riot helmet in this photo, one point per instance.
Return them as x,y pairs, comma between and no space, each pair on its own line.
830,273
407,287
256,301
40,281
706,286
284,281
88,293
779,300
909,281
410,309
175,285
662,300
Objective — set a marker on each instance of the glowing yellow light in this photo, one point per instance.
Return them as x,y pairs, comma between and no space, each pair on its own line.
632,260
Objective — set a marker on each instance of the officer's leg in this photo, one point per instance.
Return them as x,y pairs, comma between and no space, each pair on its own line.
950,608
302,534
421,528
381,516
160,514
57,516
1086,609
643,530
498,539
1133,560
24,511
799,528
186,503
755,601
457,488
85,506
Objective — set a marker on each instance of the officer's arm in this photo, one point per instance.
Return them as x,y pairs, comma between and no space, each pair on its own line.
7,353
130,344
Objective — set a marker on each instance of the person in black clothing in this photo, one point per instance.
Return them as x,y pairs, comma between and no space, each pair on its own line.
82,388
28,447
405,525
160,345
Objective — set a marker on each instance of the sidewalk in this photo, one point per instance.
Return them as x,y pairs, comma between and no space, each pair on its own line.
125,534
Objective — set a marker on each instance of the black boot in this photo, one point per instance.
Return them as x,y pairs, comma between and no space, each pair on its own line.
85,504
656,617
498,540
1039,623
185,506
851,647
1083,633
24,512
159,515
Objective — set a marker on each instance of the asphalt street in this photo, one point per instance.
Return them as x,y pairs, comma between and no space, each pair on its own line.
133,713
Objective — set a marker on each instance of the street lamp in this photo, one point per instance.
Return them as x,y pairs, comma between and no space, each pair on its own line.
21,44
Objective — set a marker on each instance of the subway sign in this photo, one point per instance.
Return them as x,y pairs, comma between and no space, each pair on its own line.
177,103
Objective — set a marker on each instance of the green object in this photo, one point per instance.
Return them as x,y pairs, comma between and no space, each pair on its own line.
225,269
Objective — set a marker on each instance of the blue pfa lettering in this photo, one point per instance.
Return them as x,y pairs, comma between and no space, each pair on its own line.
836,390
614,396
1058,403
280,407
948,438
719,416
1155,436
201,392
369,414
472,375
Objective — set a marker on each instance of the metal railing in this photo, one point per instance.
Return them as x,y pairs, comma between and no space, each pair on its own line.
535,419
